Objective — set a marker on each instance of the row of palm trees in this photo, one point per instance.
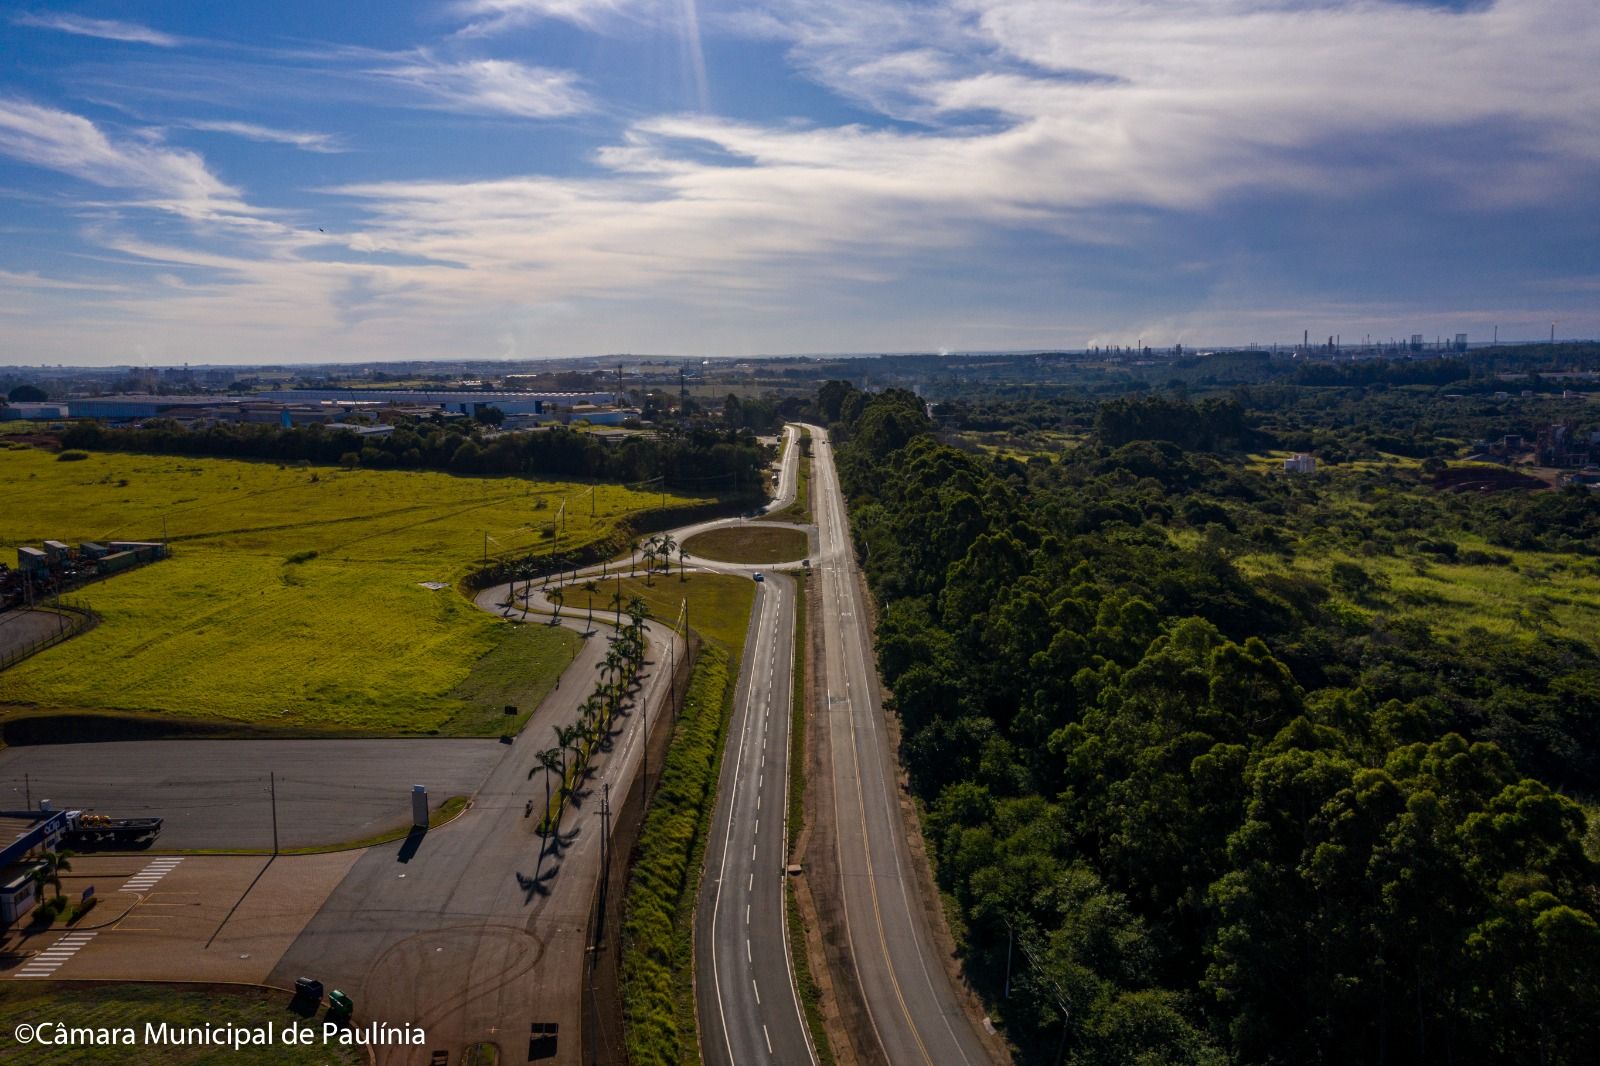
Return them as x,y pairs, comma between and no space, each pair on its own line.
619,677
659,549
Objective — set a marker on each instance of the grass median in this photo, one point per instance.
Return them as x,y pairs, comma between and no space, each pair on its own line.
748,542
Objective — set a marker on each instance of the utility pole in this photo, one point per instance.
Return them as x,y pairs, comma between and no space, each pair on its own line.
1011,936
605,833
272,783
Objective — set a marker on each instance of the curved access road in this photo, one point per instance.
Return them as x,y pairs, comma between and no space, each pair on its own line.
916,1014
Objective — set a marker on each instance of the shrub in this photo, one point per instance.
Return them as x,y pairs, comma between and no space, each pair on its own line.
72,456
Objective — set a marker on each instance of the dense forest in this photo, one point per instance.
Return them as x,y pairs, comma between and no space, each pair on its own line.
1202,783
704,460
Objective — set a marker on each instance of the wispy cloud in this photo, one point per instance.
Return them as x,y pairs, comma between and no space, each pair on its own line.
106,29
1087,135
487,17
171,179
310,142
493,86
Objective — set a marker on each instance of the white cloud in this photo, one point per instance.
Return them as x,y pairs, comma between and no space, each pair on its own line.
171,179
1066,118
494,86
310,142
486,17
106,29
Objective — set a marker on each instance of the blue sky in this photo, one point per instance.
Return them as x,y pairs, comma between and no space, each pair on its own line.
245,182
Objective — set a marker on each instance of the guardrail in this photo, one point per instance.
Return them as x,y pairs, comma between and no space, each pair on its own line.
75,618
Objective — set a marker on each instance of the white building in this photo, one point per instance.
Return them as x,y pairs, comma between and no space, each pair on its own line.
1300,463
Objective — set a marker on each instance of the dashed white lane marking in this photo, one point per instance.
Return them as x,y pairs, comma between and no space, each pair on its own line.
49,961
146,878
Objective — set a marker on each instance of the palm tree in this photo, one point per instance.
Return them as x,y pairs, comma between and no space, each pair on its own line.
549,758
557,596
649,558
55,864
682,555
633,558
564,737
590,587
667,547
616,601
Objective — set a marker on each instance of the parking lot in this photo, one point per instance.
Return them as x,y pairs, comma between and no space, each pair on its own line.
216,794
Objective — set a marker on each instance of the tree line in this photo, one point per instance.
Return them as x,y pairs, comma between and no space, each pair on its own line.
1190,815
711,461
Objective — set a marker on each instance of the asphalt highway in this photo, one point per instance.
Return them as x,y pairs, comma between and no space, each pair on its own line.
749,1010
915,1013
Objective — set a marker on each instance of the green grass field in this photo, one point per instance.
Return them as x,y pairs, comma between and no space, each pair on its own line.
719,604
132,1006
293,596
748,543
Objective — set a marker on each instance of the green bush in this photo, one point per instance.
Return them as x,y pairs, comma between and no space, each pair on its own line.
72,455
658,924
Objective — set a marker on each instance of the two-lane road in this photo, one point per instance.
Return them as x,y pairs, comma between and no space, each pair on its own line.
749,1011
916,1016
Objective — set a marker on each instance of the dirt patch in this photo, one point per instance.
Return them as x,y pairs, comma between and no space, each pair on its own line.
748,543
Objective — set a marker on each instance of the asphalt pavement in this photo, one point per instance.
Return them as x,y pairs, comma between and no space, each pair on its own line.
749,1011
217,793
915,1012
475,932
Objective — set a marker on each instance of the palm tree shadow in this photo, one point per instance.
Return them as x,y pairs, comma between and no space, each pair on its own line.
538,884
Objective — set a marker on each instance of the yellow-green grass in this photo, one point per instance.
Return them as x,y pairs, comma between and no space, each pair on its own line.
719,604
748,542
117,1006
1549,591
233,629
1272,461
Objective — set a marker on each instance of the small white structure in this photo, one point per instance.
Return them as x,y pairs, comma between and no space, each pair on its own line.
1300,463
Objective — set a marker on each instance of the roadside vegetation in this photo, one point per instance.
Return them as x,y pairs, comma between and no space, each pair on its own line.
749,542
322,567
116,1006
1221,764
658,924
663,886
